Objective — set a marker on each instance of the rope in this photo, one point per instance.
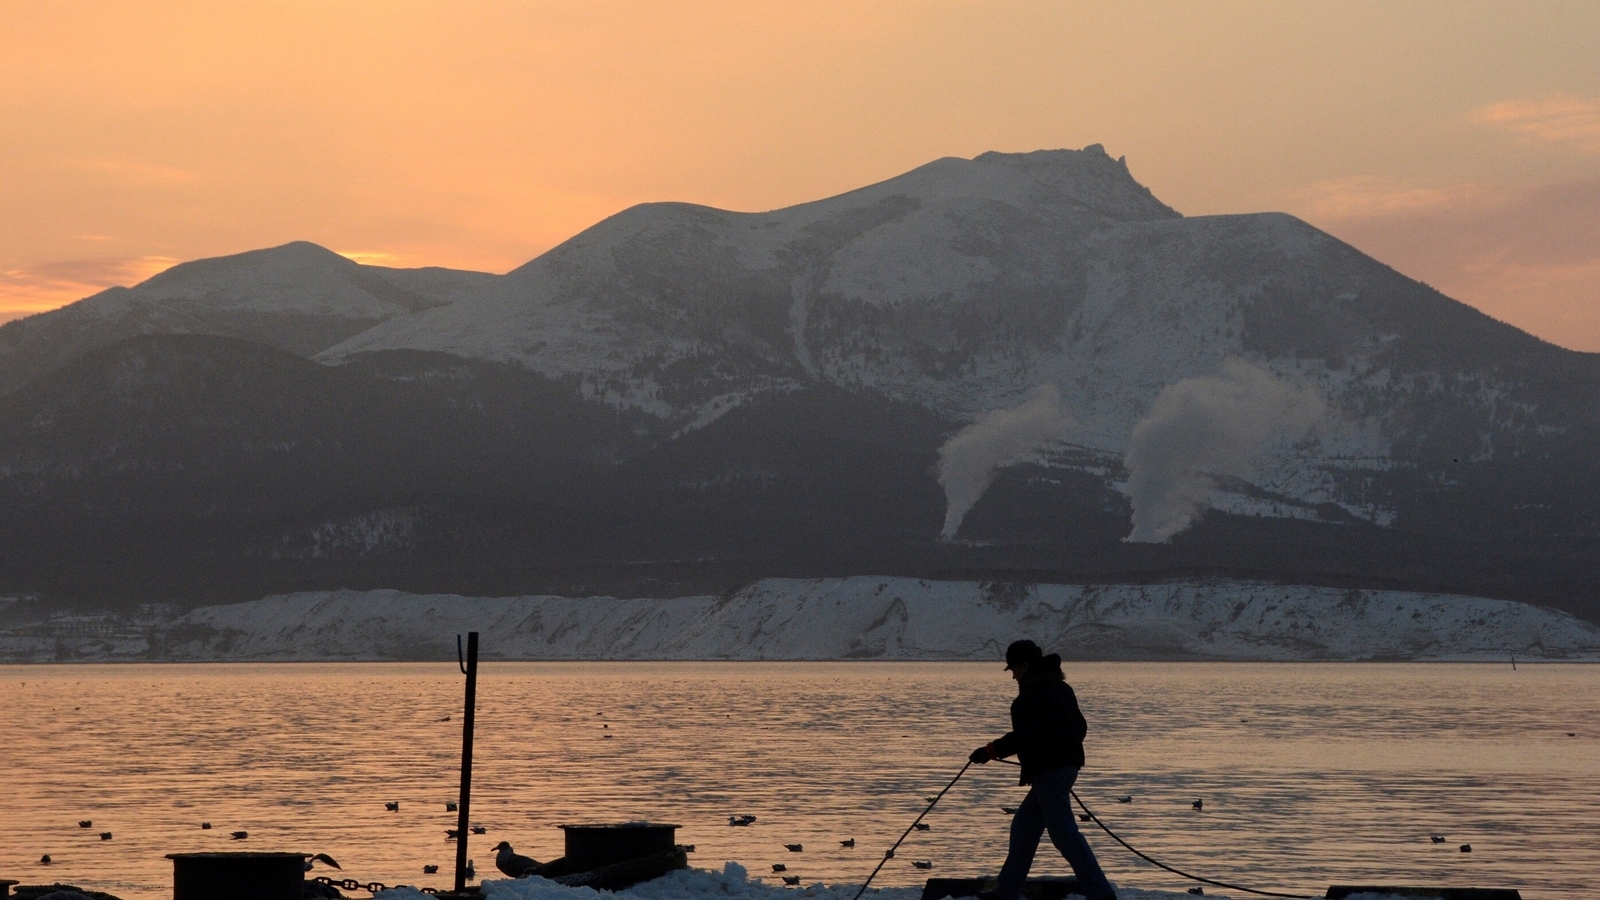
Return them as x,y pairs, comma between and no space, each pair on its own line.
890,853
1157,863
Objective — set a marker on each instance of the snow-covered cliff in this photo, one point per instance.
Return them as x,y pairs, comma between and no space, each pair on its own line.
893,618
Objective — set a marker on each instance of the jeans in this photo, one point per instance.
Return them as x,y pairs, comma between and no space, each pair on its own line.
1049,806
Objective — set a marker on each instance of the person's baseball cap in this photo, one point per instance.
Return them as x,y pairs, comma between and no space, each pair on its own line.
1022,653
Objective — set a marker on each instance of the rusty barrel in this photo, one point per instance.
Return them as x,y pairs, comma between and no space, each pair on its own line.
237,876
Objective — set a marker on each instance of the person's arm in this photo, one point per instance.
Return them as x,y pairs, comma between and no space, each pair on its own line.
997,749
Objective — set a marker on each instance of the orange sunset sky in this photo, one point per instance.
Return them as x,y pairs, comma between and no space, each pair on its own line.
1457,141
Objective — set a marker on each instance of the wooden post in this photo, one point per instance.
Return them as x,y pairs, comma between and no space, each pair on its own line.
470,669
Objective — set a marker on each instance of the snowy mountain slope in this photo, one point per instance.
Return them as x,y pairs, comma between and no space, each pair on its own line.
895,618
964,284
298,297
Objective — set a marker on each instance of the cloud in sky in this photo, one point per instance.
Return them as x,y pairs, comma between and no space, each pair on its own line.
1560,119
45,286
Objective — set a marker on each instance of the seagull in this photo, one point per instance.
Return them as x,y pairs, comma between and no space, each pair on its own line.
325,859
794,848
849,842
240,835
479,829
205,826
779,867
1085,817
1127,798
85,823
1466,848
511,863
741,820
44,860
472,870
449,807
1572,734
791,879
921,826
105,835
931,799
1198,804
922,863
392,807
430,870
1198,891
688,848
451,834
1437,839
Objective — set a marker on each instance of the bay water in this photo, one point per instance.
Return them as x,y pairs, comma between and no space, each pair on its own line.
1310,774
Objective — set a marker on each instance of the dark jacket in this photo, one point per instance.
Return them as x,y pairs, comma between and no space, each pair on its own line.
1047,728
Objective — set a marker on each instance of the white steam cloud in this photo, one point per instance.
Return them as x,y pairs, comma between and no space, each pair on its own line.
967,462
1200,428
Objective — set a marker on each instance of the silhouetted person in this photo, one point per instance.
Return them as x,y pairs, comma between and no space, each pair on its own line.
1047,730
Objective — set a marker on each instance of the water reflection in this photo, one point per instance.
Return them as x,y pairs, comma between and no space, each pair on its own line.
1311,774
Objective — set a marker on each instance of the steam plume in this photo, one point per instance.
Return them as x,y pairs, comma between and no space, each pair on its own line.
967,462
1200,428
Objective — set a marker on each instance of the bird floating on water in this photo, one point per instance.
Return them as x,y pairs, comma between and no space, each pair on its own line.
511,863
471,870
430,870
1198,804
1198,891
44,860
922,863
85,823
848,842
479,829
1085,817
392,807
1466,848
921,826
325,859
779,867
205,826
791,879
794,848
240,835
1126,798
451,834
1437,839
741,820
105,835
450,807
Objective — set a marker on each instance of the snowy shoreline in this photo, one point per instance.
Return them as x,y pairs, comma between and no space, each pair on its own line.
858,618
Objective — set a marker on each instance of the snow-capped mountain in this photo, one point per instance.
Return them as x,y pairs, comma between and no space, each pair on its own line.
700,396
298,297
964,284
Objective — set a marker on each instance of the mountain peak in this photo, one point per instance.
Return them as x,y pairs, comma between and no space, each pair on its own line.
295,256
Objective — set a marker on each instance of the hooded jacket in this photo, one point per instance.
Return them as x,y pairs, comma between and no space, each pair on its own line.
1047,728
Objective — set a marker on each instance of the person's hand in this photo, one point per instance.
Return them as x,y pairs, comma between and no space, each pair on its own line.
980,755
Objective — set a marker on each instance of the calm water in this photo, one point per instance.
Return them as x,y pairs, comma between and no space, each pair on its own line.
1311,774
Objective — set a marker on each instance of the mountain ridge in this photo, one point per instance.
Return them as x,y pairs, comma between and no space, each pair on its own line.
774,388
